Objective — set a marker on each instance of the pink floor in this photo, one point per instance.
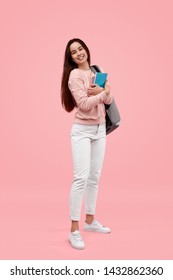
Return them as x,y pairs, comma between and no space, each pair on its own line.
35,225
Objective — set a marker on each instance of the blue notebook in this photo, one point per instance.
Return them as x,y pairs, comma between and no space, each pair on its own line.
100,79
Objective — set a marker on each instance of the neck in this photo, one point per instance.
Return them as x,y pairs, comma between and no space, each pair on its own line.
84,66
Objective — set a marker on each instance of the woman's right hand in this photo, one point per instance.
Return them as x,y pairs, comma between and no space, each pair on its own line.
94,89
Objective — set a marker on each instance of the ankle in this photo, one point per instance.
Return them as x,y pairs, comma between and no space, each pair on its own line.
89,219
74,229
74,226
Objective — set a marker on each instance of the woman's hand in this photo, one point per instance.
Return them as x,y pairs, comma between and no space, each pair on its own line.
107,88
94,89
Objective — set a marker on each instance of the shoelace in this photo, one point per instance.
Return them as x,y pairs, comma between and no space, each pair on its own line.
98,224
77,237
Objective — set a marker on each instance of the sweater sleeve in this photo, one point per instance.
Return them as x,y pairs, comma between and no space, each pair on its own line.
108,100
83,101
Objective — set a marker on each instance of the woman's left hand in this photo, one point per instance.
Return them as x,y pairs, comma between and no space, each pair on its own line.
94,89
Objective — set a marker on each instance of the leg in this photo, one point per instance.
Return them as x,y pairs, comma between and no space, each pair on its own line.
97,157
81,161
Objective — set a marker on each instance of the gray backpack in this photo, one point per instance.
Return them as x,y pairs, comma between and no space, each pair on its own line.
112,113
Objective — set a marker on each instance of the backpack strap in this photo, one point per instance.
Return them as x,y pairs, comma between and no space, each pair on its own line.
95,68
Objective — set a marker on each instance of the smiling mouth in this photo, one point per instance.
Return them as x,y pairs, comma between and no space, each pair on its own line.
81,57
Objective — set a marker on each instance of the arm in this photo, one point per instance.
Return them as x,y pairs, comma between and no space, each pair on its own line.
96,90
83,101
109,98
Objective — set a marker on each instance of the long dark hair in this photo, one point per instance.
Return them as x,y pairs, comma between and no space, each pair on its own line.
67,99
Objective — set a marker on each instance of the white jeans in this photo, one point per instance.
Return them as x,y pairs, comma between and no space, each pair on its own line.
88,149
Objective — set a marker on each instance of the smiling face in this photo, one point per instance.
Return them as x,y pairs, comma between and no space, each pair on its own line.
79,55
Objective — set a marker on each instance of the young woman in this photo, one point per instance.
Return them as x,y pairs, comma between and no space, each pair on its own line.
88,135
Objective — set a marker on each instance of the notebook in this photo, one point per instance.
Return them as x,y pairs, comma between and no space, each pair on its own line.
100,79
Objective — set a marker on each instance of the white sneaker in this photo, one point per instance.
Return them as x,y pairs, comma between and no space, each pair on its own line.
76,240
96,226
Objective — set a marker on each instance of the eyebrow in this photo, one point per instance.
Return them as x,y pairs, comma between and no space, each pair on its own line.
78,48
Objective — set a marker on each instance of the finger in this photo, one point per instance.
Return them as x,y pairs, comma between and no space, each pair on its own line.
107,82
90,88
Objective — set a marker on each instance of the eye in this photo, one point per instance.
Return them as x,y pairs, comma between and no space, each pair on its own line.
81,48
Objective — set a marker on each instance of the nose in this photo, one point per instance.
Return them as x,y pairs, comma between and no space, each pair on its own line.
79,52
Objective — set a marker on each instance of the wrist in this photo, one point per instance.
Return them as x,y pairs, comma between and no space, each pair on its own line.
101,89
107,91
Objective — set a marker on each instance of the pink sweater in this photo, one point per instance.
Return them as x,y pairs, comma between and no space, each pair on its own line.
90,109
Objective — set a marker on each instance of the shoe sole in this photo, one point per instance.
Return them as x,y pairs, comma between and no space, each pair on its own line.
94,230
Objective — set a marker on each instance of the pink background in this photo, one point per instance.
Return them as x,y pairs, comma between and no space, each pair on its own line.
132,41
